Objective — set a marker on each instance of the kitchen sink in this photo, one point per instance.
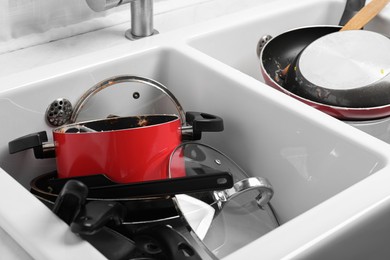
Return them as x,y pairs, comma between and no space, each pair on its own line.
327,176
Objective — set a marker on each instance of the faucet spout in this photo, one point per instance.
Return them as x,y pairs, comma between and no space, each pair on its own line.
141,15
141,20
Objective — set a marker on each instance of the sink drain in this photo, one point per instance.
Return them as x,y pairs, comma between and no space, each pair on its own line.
59,112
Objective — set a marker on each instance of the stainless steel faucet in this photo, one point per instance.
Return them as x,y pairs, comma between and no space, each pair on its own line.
141,15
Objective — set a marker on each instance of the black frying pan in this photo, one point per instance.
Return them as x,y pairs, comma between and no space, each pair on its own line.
280,51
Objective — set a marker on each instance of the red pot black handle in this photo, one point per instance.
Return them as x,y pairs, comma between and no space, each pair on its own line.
35,141
202,122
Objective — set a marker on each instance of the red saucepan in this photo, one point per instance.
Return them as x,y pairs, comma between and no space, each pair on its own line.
278,53
126,149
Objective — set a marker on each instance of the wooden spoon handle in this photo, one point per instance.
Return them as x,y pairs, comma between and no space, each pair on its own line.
365,15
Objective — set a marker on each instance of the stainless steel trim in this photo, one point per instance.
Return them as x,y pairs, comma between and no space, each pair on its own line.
260,45
141,15
59,112
142,18
253,183
102,5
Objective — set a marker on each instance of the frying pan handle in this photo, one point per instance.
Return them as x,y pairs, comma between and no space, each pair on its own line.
201,122
96,214
69,206
70,201
209,181
36,141
351,8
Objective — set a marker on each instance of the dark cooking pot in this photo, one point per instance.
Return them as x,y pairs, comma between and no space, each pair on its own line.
276,55
126,149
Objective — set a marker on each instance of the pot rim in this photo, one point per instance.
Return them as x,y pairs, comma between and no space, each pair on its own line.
62,130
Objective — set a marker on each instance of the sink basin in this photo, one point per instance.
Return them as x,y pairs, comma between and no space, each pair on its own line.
327,176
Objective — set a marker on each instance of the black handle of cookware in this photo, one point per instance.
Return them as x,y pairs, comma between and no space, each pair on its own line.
351,8
70,207
210,181
175,246
35,141
70,201
96,180
111,244
95,215
203,122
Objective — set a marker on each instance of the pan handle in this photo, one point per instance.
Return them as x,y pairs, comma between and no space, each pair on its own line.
209,181
351,8
36,141
174,244
96,214
70,201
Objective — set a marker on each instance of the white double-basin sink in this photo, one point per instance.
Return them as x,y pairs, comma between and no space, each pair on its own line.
330,179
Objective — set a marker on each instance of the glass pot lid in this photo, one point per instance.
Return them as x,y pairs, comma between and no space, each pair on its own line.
126,95
228,219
